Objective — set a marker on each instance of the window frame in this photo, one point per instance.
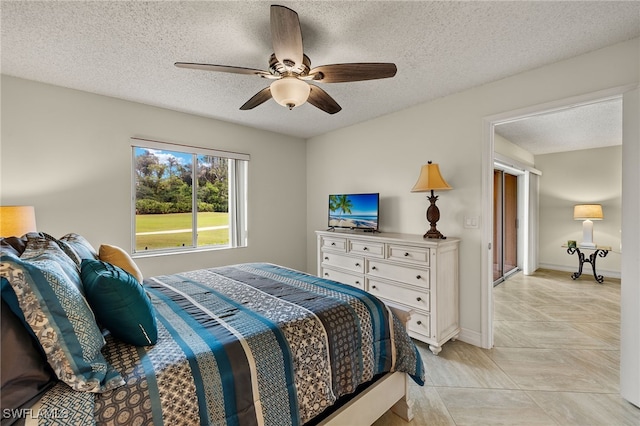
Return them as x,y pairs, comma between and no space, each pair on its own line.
237,173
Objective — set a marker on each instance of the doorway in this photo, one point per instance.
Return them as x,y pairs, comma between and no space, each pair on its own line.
528,248
505,225
629,313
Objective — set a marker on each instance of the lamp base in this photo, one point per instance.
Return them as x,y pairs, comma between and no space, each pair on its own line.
587,245
433,215
587,235
434,234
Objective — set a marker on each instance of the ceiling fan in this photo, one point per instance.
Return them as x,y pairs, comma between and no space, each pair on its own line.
291,69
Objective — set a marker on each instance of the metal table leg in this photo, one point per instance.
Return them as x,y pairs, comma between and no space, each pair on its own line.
591,259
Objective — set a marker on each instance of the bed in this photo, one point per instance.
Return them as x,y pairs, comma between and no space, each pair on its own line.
245,344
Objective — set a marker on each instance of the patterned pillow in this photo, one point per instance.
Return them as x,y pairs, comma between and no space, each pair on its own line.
56,312
39,242
66,248
83,248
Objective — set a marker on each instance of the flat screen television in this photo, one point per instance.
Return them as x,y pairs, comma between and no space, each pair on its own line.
354,211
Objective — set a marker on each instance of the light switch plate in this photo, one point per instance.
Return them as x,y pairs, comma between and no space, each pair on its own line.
471,222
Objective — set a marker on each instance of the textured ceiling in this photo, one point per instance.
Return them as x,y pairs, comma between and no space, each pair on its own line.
126,49
595,125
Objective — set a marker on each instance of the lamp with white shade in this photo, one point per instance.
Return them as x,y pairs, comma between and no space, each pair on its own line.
15,221
587,213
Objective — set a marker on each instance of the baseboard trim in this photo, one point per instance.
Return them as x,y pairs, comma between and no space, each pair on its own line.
471,337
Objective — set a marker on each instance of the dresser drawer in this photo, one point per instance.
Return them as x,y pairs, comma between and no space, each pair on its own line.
413,276
419,323
408,254
337,243
355,264
343,277
405,295
366,248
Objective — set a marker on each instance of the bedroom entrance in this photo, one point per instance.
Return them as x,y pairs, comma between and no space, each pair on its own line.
505,224
629,348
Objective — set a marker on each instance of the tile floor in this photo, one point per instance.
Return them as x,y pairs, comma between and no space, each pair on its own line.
555,361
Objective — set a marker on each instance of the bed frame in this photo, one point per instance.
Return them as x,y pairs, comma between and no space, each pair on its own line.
390,392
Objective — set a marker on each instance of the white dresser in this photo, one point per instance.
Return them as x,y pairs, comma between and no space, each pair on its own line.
401,269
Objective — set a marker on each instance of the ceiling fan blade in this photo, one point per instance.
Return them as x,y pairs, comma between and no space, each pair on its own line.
257,99
222,68
341,73
286,35
321,99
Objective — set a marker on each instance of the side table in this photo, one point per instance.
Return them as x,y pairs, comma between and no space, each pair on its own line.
582,259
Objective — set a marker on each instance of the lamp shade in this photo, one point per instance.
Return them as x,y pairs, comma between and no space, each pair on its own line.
587,212
16,221
290,92
430,179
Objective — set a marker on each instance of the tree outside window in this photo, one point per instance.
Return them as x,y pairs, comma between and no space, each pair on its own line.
175,211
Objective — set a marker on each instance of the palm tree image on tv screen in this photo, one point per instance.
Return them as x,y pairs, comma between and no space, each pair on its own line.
354,211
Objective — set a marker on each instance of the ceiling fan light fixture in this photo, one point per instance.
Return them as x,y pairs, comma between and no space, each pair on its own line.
290,92
290,69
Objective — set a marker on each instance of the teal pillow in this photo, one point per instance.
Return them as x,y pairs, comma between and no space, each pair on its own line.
40,291
120,303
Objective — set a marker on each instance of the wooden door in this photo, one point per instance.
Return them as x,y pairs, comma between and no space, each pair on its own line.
505,224
510,223
498,271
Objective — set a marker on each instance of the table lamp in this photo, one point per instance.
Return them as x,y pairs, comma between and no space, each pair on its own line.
430,179
15,221
587,213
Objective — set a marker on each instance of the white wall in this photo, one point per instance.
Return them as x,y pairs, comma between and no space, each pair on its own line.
385,155
630,291
508,149
68,153
591,176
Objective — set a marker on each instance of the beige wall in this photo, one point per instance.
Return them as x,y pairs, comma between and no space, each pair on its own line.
385,154
504,147
68,153
592,176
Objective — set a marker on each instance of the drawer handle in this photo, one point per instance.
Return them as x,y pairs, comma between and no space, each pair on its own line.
374,287
418,277
333,244
365,248
357,264
419,299
326,258
406,254
419,322
374,268
358,282
326,274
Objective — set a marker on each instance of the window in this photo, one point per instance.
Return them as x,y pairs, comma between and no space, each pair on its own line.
175,209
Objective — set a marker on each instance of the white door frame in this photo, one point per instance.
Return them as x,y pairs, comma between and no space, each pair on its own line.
488,129
630,291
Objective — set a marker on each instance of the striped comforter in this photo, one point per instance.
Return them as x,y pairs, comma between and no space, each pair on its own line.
249,344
